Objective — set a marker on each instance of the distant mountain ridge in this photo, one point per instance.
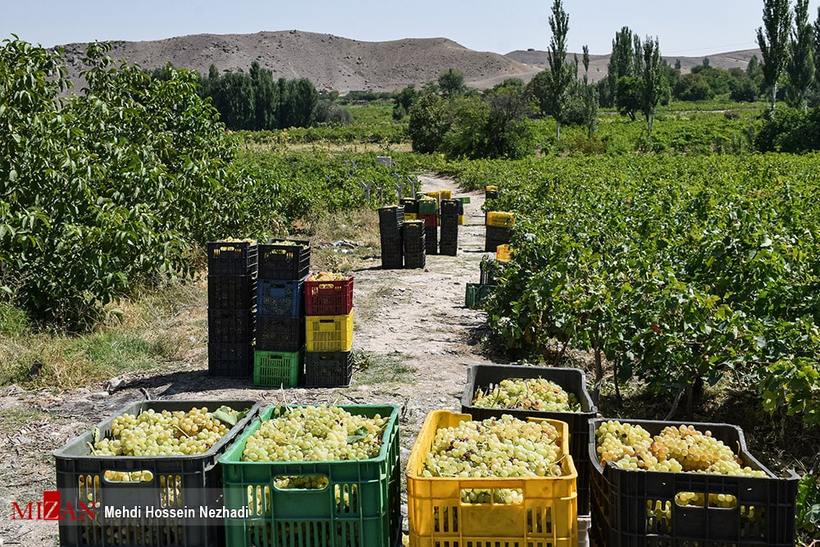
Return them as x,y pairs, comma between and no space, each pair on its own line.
343,64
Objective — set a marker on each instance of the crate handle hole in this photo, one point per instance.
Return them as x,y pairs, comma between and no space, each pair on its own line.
693,500
492,496
301,482
126,477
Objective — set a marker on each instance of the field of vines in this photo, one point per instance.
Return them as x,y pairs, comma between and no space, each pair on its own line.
679,273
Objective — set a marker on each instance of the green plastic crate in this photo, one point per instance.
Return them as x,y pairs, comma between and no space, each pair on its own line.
277,368
464,199
428,206
476,294
360,507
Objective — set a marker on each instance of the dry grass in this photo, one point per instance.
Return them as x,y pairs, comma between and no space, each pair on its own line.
342,241
144,333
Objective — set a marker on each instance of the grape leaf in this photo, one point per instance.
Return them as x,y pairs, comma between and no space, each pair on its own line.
229,416
358,435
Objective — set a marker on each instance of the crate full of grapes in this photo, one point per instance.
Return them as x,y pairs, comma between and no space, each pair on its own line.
316,475
537,392
493,482
127,473
673,483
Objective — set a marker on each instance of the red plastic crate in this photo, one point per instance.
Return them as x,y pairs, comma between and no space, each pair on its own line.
430,221
329,297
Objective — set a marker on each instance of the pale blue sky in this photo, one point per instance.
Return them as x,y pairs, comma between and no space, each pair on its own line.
690,27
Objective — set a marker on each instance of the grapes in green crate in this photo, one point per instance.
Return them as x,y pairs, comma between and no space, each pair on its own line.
527,394
495,448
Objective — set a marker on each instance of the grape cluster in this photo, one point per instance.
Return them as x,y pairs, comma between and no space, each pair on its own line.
163,433
675,449
316,433
495,448
527,394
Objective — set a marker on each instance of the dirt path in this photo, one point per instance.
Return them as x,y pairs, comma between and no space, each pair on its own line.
411,326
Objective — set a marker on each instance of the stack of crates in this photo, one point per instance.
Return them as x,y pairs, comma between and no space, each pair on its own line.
428,212
462,201
280,335
390,222
448,244
499,230
231,288
329,328
415,256
411,208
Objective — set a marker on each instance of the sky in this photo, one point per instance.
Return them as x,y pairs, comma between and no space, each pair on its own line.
690,28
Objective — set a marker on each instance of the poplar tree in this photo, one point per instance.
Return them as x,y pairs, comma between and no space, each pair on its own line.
773,39
560,73
652,80
801,57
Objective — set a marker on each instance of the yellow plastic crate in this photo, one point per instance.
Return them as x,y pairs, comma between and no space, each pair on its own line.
445,194
491,188
548,515
410,216
500,219
435,195
329,333
503,253
461,220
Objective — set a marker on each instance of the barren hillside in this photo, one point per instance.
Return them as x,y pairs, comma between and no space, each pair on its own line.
332,62
329,61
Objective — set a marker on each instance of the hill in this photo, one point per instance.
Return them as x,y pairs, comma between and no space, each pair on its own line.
343,64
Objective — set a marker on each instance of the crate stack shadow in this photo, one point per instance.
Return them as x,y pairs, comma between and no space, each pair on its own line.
329,329
391,220
232,270
280,337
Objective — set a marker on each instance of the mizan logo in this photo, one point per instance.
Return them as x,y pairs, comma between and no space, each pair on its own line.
51,507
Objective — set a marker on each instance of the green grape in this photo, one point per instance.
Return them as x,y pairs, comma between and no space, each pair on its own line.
163,433
495,448
527,394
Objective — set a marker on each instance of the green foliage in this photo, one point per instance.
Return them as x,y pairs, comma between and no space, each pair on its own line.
560,73
789,130
693,87
773,40
451,83
71,239
801,56
629,96
681,271
403,102
808,504
256,101
621,63
429,123
651,81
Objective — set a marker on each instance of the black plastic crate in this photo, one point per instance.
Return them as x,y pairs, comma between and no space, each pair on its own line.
415,262
232,258
449,208
431,240
498,233
230,360
284,260
328,369
411,206
571,380
391,220
187,481
285,334
491,245
230,326
231,292
447,250
639,508
491,194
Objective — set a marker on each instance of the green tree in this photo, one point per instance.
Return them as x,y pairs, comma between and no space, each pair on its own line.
403,101
692,87
652,81
429,123
637,51
266,101
677,64
773,39
817,48
707,62
590,98
507,134
621,62
451,83
630,96
560,73
801,58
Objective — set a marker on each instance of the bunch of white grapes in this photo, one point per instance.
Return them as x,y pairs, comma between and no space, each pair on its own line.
527,394
163,433
495,448
675,449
